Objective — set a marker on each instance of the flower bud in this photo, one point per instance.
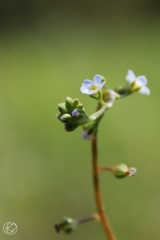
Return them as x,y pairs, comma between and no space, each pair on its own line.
65,118
76,102
69,101
69,104
62,107
79,114
121,171
69,127
68,225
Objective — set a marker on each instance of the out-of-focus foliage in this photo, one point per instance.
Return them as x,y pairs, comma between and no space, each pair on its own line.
45,172
28,13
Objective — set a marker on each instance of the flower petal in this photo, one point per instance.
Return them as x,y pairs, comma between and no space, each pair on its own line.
84,90
142,80
97,79
145,90
87,83
87,91
130,77
101,85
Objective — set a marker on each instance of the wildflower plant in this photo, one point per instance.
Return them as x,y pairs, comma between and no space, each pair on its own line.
72,114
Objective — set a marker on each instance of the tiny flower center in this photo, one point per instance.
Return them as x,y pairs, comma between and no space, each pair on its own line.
94,87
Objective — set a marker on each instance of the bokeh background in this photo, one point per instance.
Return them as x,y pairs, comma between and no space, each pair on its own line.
47,48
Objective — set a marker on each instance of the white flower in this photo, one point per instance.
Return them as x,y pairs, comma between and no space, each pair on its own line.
140,82
90,87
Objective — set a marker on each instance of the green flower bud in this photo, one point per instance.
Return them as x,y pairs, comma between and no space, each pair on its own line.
121,171
76,102
79,114
72,114
65,118
69,127
68,225
62,107
69,104
69,101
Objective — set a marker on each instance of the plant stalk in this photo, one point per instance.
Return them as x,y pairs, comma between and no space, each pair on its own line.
100,208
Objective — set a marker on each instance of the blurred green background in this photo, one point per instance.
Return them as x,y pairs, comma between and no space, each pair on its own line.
47,48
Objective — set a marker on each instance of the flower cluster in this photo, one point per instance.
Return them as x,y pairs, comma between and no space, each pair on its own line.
72,113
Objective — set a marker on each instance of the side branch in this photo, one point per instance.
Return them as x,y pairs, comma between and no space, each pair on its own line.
100,208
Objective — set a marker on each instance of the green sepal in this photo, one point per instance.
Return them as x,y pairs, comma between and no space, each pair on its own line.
123,91
134,87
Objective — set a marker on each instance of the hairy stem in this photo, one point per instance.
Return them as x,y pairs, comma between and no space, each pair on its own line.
100,208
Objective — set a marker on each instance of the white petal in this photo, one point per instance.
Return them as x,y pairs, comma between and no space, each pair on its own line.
142,80
84,90
87,91
87,84
97,79
101,85
130,77
144,90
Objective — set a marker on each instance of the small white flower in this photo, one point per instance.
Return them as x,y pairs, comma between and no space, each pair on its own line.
140,82
85,136
90,87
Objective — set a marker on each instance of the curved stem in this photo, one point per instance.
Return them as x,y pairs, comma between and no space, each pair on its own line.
86,219
100,208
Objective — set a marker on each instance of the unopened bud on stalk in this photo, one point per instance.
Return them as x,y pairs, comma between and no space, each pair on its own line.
122,170
62,107
65,118
68,225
